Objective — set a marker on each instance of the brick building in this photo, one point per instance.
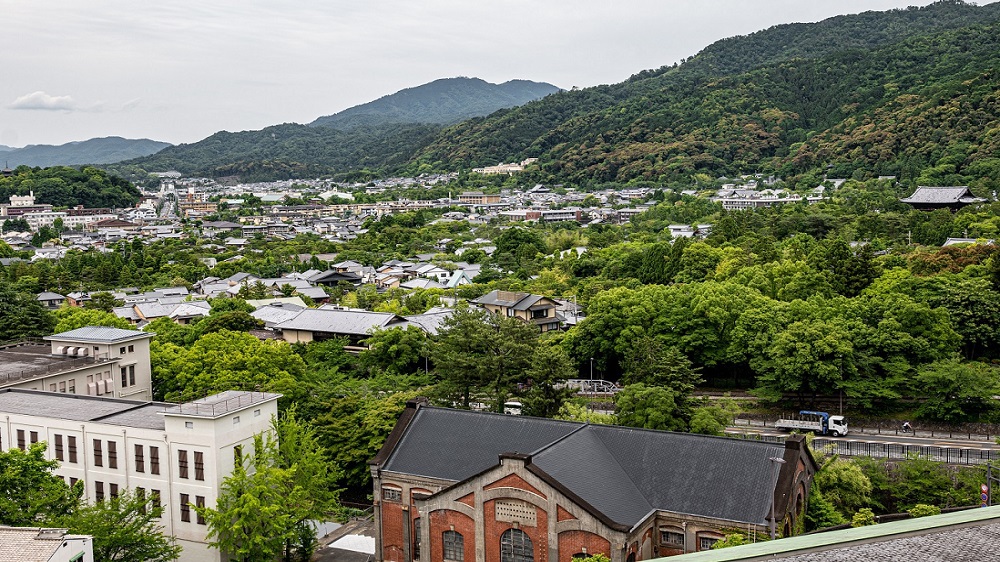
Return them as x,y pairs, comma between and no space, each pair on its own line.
468,486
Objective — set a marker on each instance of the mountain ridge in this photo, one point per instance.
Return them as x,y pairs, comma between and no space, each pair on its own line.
100,150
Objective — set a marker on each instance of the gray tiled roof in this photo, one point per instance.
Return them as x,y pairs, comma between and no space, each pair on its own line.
941,195
98,334
349,322
73,407
432,447
622,472
24,544
969,544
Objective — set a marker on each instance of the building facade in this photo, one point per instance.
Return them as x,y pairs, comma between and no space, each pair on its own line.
462,486
176,453
91,361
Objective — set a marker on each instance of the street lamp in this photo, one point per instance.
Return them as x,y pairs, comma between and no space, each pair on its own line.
777,468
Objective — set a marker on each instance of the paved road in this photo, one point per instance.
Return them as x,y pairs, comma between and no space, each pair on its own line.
901,439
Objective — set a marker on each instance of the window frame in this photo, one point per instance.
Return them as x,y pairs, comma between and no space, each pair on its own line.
516,546
453,543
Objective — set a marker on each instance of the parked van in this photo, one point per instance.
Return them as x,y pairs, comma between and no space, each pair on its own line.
512,408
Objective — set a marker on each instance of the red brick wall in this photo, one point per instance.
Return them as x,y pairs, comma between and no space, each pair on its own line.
572,542
392,531
513,481
444,520
539,535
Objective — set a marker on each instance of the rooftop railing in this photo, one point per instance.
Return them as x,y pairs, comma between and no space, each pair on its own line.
219,408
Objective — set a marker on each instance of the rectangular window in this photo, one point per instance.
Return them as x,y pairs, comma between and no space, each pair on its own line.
454,546
200,502
199,465
131,349
182,463
124,377
72,386
185,508
672,538
392,494
238,455
705,543
154,460
236,420
121,351
62,387
140,462
99,490
155,498
71,442
73,481
59,448
112,454
113,490
131,375
34,437
52,387
20,439
140,494
98,453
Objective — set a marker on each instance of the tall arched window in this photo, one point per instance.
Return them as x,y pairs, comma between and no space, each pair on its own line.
454,546
515,546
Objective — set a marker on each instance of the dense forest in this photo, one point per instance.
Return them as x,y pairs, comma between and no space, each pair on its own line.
62,186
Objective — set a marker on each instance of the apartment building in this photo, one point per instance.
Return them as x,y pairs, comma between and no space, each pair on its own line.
91,361
177,453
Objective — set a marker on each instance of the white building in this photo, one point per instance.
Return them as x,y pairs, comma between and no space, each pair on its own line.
93,361
39,544
179,453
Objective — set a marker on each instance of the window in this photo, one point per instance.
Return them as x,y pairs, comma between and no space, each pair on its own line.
392,494
185,508
189,425
140,461
72,386
112,454
73,481
155,498
236,420
705,543
124,377
131,349
515,546
182,463
99,490
62,387
199,465
238,455
20,439
71,442
416,538
140,493
544,313
673,539
200,502
98,454
256,412
59,448
121,351
154,460
52,387
131,375
454,546
34,437
113,490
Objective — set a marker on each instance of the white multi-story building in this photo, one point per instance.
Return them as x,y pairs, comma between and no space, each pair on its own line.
93,361
179,453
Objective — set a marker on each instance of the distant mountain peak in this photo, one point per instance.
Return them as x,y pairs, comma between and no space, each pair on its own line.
442,101
103,150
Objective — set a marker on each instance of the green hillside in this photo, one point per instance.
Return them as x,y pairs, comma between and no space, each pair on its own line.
656,112
107,150
444,101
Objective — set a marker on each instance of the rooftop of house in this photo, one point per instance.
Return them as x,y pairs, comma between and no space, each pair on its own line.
961,536
614,478
98,334
121,412
31,360
32,544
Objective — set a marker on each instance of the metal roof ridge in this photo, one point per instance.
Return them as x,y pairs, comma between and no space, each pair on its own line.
557,441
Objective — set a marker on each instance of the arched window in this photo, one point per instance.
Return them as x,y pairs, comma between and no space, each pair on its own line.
454,546
416,538
515,546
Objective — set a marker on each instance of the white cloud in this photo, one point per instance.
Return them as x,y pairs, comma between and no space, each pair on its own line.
45,102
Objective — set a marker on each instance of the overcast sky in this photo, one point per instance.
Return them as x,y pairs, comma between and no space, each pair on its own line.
180,70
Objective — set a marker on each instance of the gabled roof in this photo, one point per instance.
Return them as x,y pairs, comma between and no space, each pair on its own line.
942,196
624,473
49,296
347,322
509,299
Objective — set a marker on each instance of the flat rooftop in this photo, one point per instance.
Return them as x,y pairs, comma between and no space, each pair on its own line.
26,361
220,404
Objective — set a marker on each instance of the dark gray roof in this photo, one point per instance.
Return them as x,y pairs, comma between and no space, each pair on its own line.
622,472
432,447
98,334
517,301
82,408
49,296
349,322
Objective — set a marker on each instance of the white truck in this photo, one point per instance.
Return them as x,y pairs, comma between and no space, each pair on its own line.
820,423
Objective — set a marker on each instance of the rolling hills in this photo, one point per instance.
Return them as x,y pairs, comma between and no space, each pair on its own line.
107,150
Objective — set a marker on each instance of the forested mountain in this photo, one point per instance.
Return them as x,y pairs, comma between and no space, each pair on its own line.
63,186
662,122
107,150
380,135
444,101
905,92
